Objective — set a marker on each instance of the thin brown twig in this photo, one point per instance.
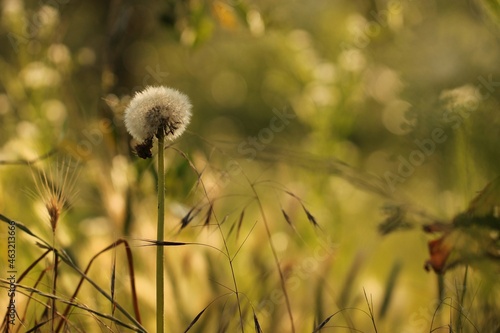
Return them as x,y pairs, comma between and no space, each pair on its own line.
30,162
275,255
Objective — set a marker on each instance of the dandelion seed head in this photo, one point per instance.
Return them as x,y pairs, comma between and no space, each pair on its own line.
157,109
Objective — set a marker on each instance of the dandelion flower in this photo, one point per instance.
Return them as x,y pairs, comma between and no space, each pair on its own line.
162,112
155,111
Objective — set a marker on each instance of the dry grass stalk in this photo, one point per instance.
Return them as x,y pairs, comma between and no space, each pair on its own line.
55,187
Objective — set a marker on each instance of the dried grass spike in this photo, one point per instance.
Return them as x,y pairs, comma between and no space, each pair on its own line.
55,187
240,222
209,215
231,230
196,319
189,217
323,323
310,217
287,217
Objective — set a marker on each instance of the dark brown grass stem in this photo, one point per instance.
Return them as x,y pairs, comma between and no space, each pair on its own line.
54,290
132,281
35,285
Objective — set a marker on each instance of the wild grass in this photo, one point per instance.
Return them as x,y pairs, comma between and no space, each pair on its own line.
227,228
260,227
48,299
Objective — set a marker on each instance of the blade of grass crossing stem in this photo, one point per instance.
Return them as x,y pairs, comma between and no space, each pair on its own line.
160,292
168,243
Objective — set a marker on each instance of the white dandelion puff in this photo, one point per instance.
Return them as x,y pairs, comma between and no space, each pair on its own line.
156,110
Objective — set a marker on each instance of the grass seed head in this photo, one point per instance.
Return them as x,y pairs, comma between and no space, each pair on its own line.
54,187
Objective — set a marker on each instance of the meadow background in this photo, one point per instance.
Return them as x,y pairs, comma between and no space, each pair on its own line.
325,135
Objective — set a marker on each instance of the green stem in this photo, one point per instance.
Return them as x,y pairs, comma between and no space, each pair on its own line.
160,292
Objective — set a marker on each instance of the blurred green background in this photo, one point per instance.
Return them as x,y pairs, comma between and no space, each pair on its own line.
375,117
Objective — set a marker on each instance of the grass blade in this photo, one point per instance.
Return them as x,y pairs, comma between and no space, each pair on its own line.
240,221
113,280
196,318
24,228
79,306
209,215
391,283
137,320
257,325
323,323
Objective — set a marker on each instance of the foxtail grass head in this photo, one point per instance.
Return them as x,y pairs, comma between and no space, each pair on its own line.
156,111
55,187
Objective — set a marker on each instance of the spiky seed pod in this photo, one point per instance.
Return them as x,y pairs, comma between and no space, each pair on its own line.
55,187
153,110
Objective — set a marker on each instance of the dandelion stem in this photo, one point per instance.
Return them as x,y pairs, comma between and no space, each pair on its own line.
160,293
